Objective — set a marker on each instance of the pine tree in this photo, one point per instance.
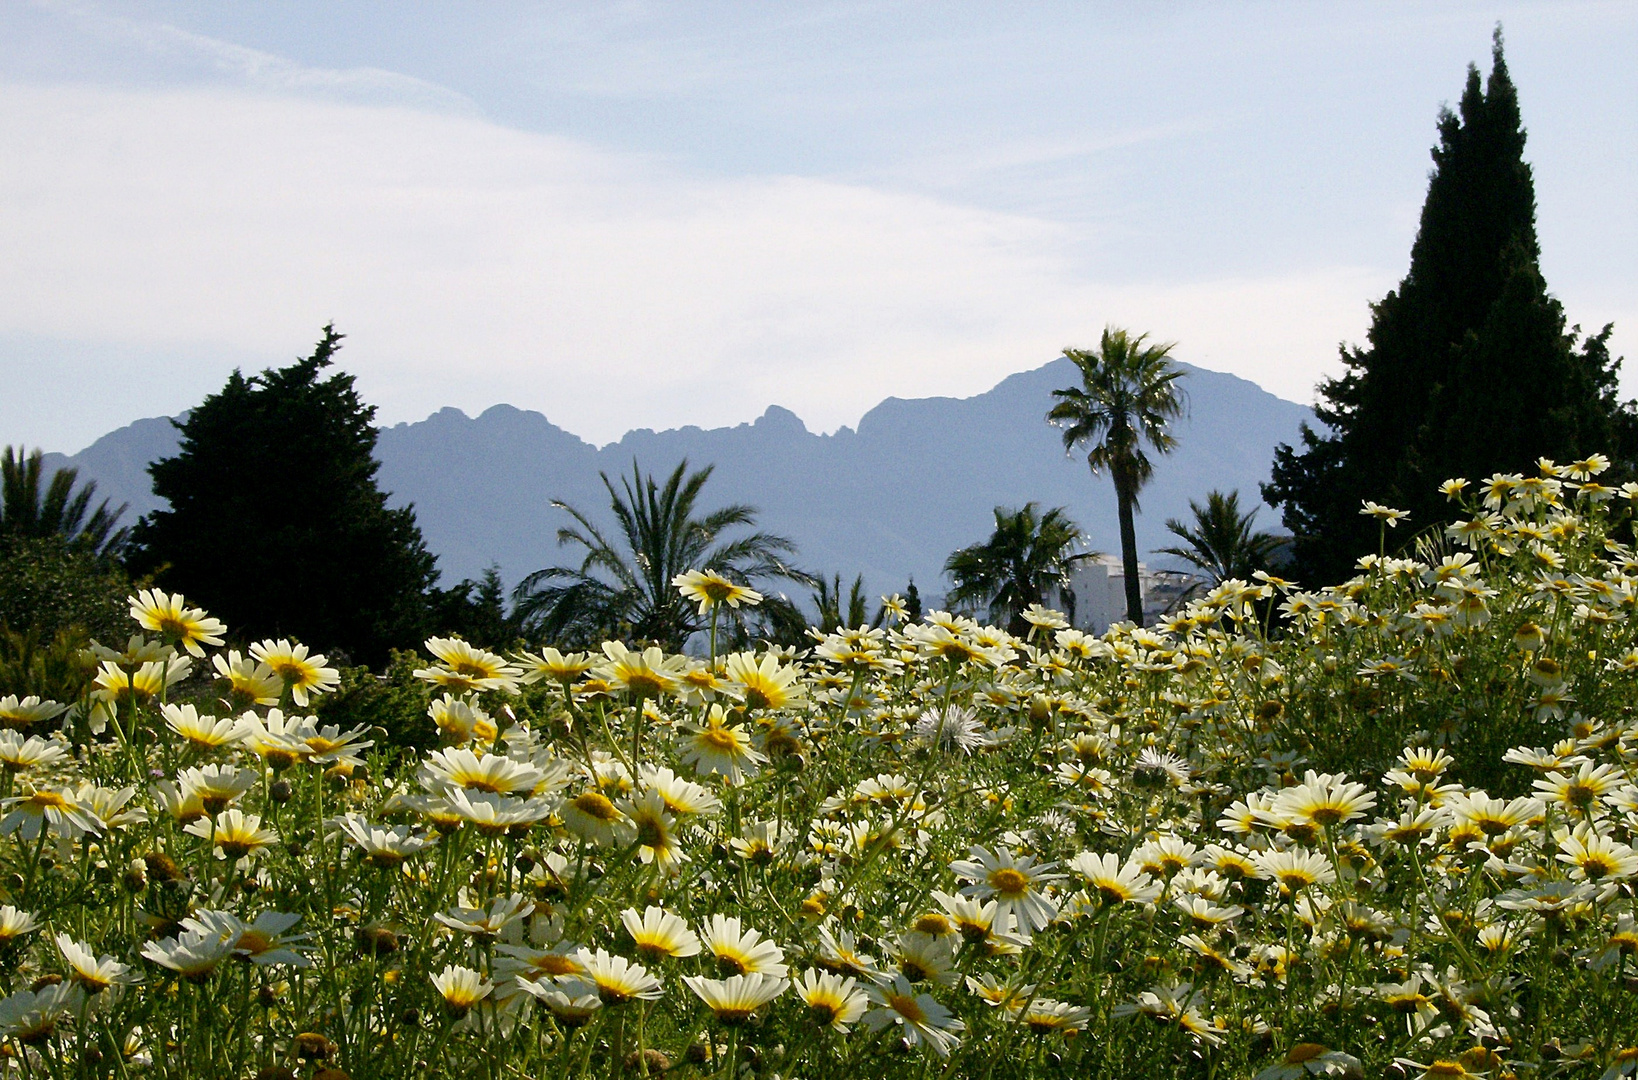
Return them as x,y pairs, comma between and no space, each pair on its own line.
912,602
276,524
1469,368
474,609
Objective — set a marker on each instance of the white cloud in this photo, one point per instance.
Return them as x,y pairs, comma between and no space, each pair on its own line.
470,263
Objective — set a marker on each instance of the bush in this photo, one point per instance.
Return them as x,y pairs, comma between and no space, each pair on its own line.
394,701
48,585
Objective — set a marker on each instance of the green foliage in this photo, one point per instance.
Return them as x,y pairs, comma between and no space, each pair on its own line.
475,611
622,587
1029,555
1221,541
1127,398
54,667
835,609
912,602
27,512
1470,369
49,584
61,582
276,522
393,701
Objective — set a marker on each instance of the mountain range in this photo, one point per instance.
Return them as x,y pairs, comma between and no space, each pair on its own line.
890,499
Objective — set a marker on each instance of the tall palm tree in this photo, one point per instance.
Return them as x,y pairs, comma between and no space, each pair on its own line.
27,512
1027,554
1222,541
622,585
1128,397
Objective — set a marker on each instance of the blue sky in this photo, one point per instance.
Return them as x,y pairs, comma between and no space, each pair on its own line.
640,214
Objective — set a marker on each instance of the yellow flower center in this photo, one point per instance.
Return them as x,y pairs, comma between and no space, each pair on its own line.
914,969
556,964
932,923
733,964
1304,1052
42,800
254,942
1009,882
594,805
1112,894
1327,815
645,683
651,832
1597,866
720,739
653,948
907,1006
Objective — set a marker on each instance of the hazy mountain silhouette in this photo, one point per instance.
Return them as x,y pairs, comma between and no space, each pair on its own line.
916,480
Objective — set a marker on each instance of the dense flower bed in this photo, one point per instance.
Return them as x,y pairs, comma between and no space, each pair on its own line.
1378,829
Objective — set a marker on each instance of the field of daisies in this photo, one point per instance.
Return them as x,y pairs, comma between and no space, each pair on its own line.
1381,829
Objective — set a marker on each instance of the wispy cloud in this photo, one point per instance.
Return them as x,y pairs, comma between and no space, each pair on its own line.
471,263
254,68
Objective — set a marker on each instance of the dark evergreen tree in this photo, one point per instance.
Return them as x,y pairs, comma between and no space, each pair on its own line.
475,610
1469,368
912,602
276,524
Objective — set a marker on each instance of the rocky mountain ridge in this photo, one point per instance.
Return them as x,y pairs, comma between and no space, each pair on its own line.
890,499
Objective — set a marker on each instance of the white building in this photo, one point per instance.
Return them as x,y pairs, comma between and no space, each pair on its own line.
1097,592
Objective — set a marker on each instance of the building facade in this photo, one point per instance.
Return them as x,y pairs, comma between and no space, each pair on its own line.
1096,597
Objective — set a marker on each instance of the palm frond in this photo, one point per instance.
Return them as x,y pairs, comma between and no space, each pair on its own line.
622,584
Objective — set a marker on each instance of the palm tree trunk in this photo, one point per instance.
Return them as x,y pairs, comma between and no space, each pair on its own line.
1128,552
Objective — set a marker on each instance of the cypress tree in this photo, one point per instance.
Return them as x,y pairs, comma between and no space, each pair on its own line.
276,524
1469,369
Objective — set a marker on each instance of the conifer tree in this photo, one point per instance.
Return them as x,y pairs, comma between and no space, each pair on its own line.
276,524
1469,369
